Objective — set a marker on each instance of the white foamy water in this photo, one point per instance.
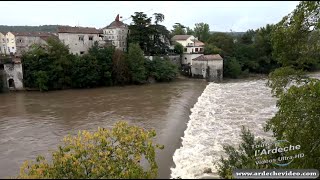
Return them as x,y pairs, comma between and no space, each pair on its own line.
216,119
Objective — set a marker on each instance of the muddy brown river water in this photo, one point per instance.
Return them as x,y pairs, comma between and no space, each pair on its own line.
32,123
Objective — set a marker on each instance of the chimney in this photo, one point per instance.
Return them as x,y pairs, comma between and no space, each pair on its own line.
117,18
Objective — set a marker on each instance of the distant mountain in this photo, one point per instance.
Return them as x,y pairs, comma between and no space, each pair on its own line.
43,28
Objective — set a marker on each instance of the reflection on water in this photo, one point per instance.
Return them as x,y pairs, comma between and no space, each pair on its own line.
32,123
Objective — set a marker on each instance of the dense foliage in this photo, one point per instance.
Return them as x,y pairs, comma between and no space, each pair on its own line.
103,154
52,67
162,69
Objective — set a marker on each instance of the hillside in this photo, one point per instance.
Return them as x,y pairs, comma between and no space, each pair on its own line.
43,28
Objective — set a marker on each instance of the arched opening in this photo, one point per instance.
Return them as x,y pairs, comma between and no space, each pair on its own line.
11,83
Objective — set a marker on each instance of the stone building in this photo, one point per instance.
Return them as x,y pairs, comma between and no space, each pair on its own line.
11,72
25,39
208,66
116,32
79,39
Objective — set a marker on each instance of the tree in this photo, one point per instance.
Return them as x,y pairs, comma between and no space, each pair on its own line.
158,18
139,31
231,68
189,31
103,154
222,41
136,64
295,38
202,31
178,29
212,49
120,69
162,70
178,48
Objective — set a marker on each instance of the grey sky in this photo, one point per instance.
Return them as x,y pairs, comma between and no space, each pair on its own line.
220,15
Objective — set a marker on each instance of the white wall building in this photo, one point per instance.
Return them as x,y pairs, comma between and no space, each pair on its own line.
117,33
193,48
8,43
79,39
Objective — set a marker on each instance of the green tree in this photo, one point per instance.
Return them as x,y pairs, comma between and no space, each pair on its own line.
104,63
120,69
212,49
231,68
42,80
178,29
136,64
224,42
202,31
103,154
295,39
178,48
162,70
189,31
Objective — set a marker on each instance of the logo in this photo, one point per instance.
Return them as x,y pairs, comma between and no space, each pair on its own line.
279,153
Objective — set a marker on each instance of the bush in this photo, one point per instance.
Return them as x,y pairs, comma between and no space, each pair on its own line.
110,154
162,69
232,68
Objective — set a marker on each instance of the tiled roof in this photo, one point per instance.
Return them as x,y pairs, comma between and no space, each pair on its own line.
37,34
198,43
180,37
78,30
208,57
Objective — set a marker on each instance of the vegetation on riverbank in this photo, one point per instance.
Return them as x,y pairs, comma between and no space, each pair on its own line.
103,154
52,67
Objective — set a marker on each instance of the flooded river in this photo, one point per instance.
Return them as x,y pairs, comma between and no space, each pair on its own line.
33,123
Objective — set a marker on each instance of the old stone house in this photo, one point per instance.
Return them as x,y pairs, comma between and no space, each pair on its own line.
11,72
79,39
208,66
24,40
116,32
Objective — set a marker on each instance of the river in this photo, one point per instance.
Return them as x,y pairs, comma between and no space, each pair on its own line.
32,123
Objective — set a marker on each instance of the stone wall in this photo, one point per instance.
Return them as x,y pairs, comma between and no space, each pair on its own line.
14,76
212,70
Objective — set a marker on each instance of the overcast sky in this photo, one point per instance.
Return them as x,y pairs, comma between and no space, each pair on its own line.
220,15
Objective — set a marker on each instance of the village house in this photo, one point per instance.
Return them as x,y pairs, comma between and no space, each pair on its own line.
11,72
192,47
8,43
208,66
79,39
25,39
116,32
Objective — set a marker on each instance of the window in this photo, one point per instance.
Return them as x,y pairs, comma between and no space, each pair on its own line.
81,38
90,38
20,40
81,52
12,47
196,50
185,49
1,67
111,37
7,39
201,49
123,43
